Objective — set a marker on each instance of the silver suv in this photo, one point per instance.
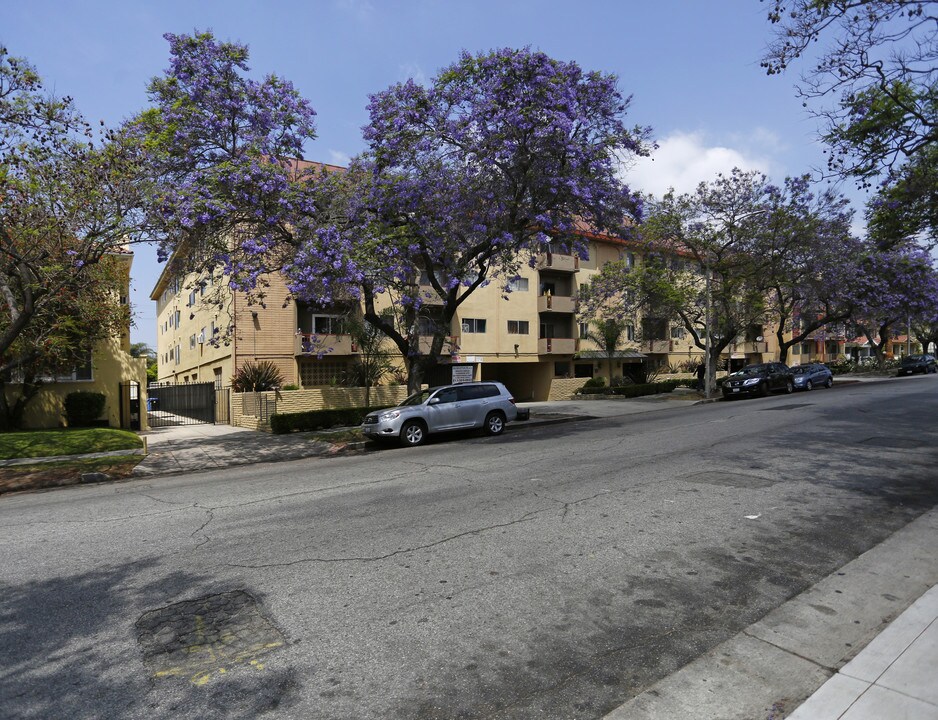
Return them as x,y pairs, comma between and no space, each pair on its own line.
485,405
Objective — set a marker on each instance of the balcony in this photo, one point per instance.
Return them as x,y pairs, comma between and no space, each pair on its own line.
309,344
429,296
560,263
557,346
656,346
556,303
752,347
425,341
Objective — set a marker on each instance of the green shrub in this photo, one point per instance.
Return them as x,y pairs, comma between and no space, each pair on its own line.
282,423
83,408
595,382
257,377
291,386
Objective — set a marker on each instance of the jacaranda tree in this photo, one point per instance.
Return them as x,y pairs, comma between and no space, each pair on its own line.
463,181
222,149
466,180
895,286
870,74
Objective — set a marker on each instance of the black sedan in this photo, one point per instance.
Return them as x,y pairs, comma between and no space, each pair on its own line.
760,379
812,375
912,364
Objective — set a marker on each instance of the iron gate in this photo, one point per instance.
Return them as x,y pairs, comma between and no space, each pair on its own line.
185,404
128,394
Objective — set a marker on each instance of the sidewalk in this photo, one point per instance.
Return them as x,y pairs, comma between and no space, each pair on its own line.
830,653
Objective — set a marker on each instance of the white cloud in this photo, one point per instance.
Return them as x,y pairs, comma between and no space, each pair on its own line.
412,71
337,157
684,159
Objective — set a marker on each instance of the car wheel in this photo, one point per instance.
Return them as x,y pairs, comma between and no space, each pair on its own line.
790,387
494,423
413,433
829,383
808,385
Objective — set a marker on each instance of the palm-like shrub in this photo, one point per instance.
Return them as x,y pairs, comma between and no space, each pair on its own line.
257,377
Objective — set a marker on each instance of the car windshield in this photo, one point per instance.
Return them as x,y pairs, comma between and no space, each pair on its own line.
913,358
752,370
418,398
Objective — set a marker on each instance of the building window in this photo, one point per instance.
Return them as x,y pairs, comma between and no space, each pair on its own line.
328,325
518,284
517,327
562,369
630,332
192,298
473,325
178,354
80,373
218,380
192,342
584,330
178,317
677,333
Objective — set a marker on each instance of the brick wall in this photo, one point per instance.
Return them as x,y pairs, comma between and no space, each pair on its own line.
563,388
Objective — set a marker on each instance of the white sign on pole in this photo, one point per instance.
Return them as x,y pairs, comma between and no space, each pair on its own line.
462,373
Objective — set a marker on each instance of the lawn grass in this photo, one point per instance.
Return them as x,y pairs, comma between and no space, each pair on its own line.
71,441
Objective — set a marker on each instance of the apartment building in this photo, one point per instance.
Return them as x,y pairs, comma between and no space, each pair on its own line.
531,338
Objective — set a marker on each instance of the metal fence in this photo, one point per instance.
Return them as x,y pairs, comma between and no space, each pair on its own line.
186,404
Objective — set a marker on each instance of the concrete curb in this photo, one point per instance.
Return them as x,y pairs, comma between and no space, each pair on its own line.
775,664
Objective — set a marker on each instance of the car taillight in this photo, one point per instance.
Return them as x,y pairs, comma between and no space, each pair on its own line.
511,400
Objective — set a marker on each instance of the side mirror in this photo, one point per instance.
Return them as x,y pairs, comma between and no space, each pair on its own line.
433,401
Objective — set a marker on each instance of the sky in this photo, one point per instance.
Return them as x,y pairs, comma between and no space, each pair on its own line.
691,67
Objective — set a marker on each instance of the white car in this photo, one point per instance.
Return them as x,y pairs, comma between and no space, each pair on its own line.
465,406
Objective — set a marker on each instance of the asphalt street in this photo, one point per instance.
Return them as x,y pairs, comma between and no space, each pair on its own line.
552,573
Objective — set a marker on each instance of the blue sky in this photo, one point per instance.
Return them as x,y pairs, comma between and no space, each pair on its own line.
692,67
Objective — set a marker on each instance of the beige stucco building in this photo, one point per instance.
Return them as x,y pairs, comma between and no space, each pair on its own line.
530,339
110,370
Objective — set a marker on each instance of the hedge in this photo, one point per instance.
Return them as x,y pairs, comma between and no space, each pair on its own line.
665,386
83,408
282,423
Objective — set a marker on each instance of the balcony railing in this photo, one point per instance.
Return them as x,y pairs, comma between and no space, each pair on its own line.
555,261
557,346
556,303
656,346
311,344
753,346
425,341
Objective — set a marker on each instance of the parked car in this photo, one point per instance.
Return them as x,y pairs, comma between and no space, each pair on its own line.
759,379
812,375
912,364
473,405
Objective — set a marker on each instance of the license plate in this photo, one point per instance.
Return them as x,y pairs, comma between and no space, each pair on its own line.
735,389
